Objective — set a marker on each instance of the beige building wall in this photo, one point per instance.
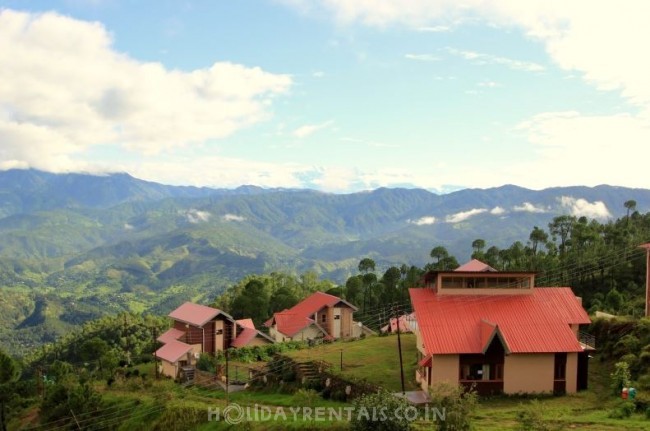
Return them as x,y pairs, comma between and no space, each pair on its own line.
528,373
571,373
445,368
276,335
308,333
218,338
346,323
258,341
418,343
168,369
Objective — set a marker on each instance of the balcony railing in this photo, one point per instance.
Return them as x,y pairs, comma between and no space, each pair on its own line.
587,339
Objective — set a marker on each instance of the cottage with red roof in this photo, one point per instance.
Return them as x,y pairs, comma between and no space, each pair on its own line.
201,329
320,315
496,332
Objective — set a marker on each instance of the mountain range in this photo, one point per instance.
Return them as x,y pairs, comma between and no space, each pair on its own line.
76,246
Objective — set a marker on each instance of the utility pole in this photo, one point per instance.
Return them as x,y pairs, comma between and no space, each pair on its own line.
227,381
154,333
647,279
399,348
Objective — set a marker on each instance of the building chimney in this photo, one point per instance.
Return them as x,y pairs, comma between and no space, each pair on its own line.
647,278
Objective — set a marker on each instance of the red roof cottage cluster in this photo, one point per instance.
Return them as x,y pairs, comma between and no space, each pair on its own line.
200,329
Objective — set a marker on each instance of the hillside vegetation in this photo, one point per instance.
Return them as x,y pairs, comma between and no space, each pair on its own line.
75,247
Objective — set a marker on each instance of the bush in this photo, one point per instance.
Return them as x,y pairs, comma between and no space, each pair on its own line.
620,377
532,418
379,411
457,404
642,401
624,410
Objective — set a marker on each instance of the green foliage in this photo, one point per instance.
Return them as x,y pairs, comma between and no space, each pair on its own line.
622,411
64,398
378,412
457,404
620,377
534,417
9,369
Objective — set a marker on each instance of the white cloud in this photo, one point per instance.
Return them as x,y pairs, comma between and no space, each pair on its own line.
197,216
464,215
497,211
64,88
612,59
587,147
489,84
581,207
435,29
232,217
318,74
482,59
422,57
422,221
128,226
529,208
310,129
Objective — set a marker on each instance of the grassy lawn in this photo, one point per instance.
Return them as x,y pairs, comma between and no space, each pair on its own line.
374,359
586,410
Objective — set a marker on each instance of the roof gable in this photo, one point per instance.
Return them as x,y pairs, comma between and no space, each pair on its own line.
475,265
196,314
298,317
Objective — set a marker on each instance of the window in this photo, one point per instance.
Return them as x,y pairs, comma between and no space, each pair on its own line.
337,317
323,318
219,331
472,372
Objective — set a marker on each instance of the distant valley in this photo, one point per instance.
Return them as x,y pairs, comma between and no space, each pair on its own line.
76,246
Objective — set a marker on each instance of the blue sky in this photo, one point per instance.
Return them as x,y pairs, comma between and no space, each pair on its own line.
336,95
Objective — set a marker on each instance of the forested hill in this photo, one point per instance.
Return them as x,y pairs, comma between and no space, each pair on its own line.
76,246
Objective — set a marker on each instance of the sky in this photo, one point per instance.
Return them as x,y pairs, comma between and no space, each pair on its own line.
333,95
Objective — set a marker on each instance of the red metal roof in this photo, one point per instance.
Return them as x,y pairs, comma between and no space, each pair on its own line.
534,323
246,323
245,337
475,265
425,362
195,314
298,317
171,335
290,323
173,351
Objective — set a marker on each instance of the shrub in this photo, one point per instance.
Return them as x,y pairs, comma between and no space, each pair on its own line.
624,410
532,418
457,404
620,377
642,401
379,411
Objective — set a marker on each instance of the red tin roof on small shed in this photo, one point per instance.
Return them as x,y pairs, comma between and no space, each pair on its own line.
173,351
171,334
